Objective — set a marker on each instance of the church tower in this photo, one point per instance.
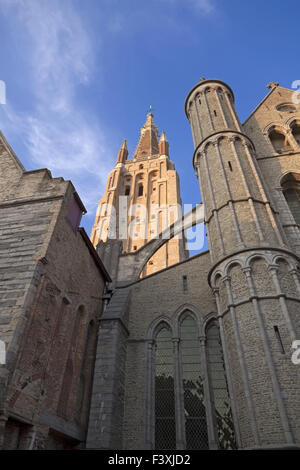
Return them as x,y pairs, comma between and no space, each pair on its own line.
254,273
141,199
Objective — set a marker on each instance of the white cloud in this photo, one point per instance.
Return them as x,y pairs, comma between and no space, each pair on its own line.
61,58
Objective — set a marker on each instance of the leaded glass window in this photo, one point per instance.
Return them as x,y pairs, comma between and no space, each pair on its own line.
194,408
165,428
219,390
182,391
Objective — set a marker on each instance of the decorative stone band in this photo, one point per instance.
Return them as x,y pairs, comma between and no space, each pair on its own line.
235,255
217,209
215,137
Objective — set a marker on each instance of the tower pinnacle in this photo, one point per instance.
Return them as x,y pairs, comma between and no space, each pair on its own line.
148,143
163,144
123,152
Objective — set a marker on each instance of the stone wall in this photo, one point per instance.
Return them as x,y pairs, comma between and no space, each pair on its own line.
152,298
51,284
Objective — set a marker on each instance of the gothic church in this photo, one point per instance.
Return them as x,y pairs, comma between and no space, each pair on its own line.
124,342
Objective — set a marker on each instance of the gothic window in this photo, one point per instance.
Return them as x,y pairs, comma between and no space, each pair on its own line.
279,141
182,414
127,190
165,426
218,388
140,190
192,384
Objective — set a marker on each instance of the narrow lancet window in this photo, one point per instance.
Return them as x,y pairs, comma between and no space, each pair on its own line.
194,407
219,390
165,428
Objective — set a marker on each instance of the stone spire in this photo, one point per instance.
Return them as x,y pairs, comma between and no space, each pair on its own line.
148,143
163,144
123,152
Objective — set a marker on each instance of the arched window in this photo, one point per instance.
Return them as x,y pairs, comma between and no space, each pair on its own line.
220,400
292,196
194,407
279,141
140,190
127,190
189,392
291,190
165,427
296,131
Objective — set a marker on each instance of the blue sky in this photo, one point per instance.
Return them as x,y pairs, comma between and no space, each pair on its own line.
80,76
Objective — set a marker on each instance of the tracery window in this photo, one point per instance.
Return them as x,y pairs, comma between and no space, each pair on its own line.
189,391
279,141
165,432
192,382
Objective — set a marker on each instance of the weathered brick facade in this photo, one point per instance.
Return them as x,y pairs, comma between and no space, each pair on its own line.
51,284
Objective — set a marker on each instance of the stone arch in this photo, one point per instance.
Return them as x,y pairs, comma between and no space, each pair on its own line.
238,281
158,324
281,257
197,159
290,187
207,145
132,264
284,276
231,264
254,256
275,124
210,317
207,89
222,137
180,313
292,174
279,139
216,278
262,280
294,126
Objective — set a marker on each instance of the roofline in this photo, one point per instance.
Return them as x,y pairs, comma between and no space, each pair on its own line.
94,254
140,279
263,100
79,202
6,144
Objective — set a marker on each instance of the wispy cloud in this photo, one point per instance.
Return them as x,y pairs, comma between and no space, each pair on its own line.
204,7
56,131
